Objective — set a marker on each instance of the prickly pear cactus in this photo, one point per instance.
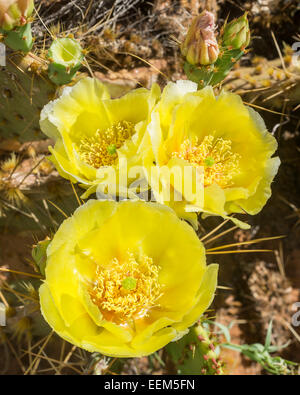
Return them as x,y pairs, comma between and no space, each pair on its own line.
24,90
27,179
196,353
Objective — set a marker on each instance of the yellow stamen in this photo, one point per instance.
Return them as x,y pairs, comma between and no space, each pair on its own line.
127,289
101,149
215,155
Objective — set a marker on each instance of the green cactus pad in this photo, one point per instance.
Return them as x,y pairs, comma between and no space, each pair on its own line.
195,353
224,64
215,73
24,91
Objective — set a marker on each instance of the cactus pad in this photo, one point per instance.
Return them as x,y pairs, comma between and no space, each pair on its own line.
24,90
195,353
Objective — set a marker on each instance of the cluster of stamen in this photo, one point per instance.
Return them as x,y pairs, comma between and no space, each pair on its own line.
101,149
215,155
126,289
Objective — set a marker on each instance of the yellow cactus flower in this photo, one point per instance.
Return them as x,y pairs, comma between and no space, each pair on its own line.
125,279
92,131
221,136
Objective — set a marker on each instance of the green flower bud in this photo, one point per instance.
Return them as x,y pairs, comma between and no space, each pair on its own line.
200,46
236,34
14,13
66,56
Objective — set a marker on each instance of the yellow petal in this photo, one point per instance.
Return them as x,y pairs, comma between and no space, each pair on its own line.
205,297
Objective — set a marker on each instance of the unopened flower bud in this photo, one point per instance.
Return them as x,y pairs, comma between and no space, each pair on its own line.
200,46
14,13
236,33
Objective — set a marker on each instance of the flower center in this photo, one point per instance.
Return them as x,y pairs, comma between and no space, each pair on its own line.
215,155
101,149
127,289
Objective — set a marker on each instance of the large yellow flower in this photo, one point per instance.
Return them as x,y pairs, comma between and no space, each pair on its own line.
125,279
221,136
93,132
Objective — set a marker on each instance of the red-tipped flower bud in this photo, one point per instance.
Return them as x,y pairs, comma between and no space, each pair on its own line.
14,13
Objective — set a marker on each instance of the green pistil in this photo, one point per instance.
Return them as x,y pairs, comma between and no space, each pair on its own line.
129,283
112,149
209,161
